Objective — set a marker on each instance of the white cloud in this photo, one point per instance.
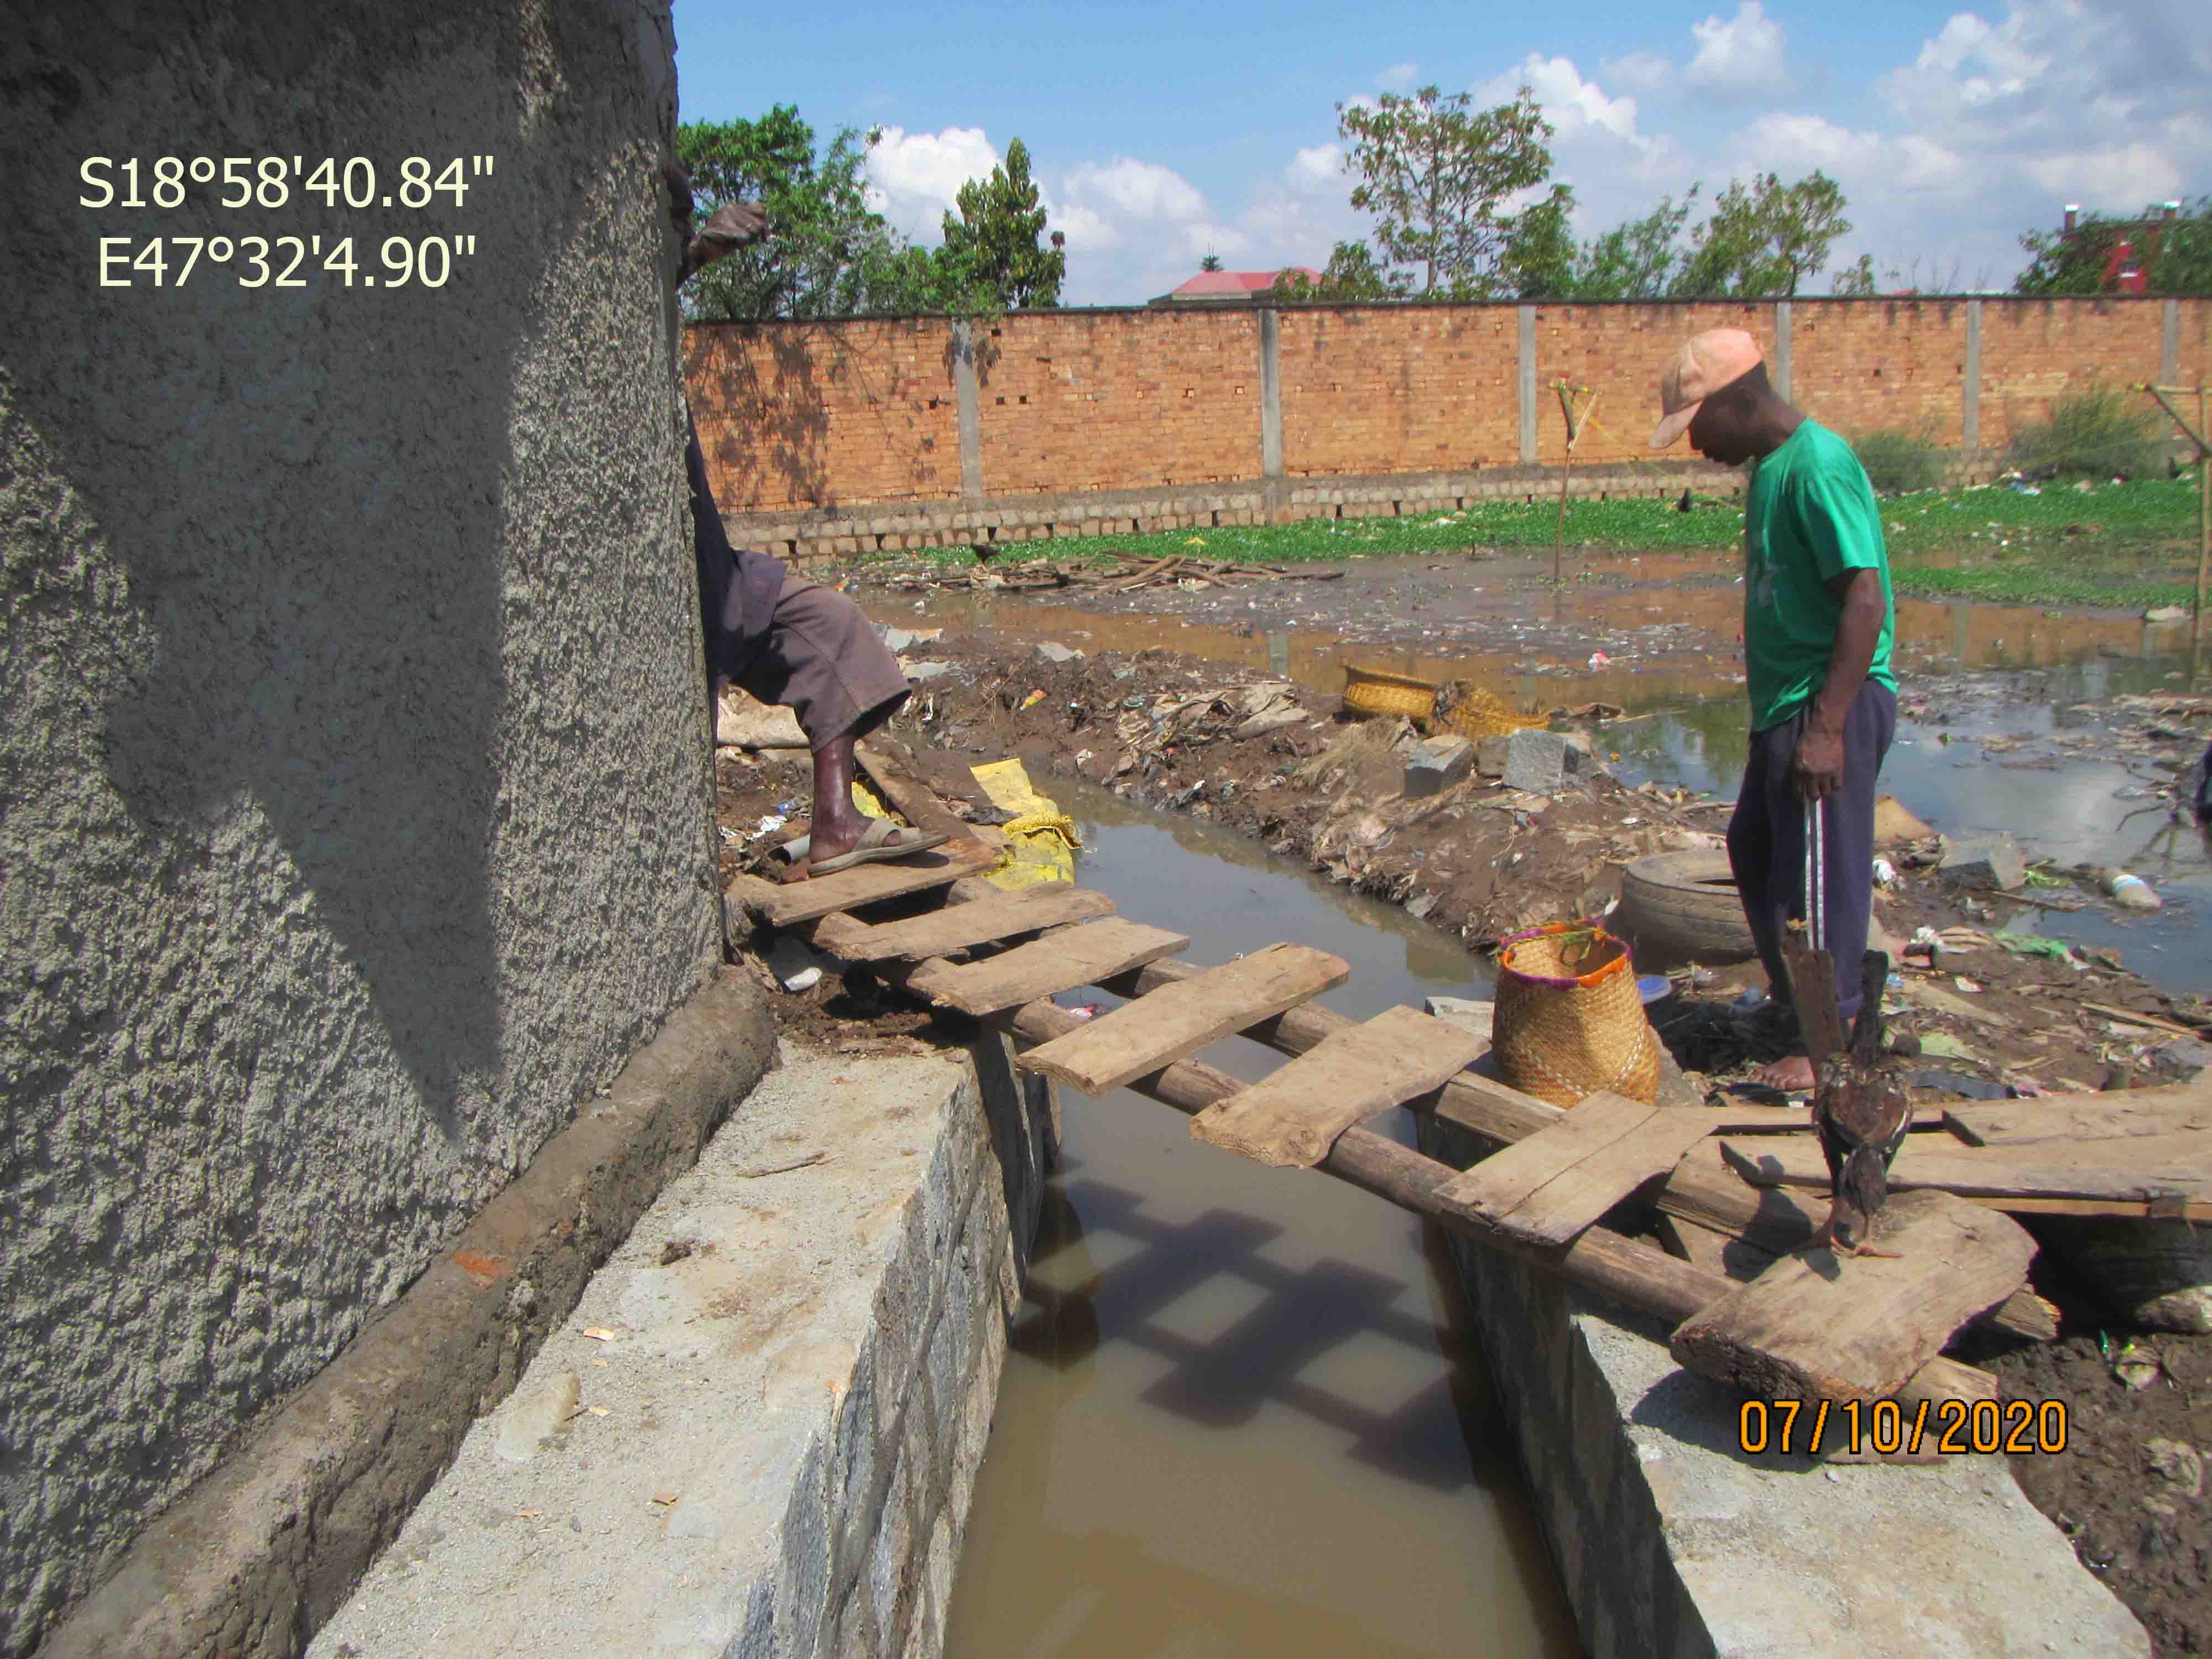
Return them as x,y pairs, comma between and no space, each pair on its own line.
1639,71
1742,56
1399,77
914,177
1571,104
1137,190
1317,167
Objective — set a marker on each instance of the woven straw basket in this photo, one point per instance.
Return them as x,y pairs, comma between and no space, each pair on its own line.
1377,692
1569,1021
1474,712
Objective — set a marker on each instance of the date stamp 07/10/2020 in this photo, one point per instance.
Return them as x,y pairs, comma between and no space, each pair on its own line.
274,182
1815,1428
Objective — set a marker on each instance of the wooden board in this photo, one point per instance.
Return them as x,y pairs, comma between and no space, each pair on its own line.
1291,1118
1046,967
1713,1249
781,903
1002,916
891,770
1176,1020
1550,1186
1741,1117
2129,1172
2119,1114
1816,1326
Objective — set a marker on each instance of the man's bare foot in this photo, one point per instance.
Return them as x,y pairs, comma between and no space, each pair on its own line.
1792,1075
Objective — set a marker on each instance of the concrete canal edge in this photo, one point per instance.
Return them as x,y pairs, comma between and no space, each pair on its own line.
255,1555
1670,1540
758,1432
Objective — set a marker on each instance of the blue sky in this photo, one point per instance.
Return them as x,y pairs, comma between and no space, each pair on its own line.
1161,132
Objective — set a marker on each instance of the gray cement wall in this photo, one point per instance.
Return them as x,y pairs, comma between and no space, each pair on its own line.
353,783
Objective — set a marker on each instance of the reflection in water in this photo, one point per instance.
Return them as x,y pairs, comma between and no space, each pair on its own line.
1242,1413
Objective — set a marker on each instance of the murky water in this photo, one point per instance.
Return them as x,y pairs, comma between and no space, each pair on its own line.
1242,1414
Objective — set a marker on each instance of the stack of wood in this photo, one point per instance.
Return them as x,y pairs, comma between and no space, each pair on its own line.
1051,576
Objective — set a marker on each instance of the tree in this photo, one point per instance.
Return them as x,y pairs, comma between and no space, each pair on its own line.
1351,274
1764,239
1434,171
1538,259
1636,259
1212,261
828,255
1856,282
991,253
2063,262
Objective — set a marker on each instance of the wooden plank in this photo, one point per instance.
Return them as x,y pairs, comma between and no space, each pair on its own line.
1816,1326
1290,1120
1550,1186
1737,1259
2118,1115
781,903
2129,1016
1743,1117
892,770
1046,967
1178,1020
2132,1171
956,927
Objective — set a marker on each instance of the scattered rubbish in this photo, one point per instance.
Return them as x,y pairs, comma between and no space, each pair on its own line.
1956,1083
2129,891
1885,873
1943,1046
1598,659
2032,944
1033,699
804,980
1054,651
1084,1011
1964,984
2132,1364
598,1333
770,824
665,1498
1754,999
2166,613
1982,861
2177,1463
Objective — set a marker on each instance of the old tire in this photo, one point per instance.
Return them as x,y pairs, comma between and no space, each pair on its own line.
1685,905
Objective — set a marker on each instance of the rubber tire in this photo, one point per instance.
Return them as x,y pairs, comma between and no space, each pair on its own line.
1685,905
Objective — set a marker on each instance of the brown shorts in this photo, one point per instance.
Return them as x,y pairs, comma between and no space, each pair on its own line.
823,659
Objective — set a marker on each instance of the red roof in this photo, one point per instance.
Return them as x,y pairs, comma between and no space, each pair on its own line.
1225,284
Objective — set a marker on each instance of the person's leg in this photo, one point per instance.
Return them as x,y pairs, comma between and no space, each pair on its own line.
1848,843
824,660
1769,860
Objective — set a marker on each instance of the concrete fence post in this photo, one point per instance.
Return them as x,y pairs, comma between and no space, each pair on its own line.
1270,409
1970,389
2169,345
1782,348
1527,385
966,402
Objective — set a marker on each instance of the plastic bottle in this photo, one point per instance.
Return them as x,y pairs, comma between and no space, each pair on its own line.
2129,892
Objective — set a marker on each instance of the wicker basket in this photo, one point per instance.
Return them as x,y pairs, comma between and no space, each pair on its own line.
1569,1021
1474,712
1378,691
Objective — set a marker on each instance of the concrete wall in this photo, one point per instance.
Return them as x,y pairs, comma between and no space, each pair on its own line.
833,438
355,779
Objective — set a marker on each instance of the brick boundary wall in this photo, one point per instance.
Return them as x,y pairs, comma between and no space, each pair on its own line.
829,439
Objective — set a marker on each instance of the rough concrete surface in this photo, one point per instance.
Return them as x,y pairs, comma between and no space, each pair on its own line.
248,1563
1670,1540
354,784
757,1433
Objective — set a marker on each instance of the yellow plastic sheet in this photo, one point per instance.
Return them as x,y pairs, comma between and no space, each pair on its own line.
1041,840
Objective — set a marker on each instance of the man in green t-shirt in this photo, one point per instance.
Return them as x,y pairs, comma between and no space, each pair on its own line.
1818,619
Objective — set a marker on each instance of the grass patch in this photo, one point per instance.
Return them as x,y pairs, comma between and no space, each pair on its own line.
1900,460
2097,435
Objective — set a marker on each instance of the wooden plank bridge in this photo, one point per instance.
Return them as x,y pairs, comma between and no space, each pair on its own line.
1734,1189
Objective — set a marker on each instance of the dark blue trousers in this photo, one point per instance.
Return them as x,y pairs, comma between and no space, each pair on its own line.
1766,840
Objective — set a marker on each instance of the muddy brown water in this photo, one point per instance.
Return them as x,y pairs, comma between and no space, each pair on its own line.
1242,1413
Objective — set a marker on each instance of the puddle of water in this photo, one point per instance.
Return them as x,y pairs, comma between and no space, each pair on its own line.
1243,1414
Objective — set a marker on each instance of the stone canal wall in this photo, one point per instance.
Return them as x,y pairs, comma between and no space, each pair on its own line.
826,439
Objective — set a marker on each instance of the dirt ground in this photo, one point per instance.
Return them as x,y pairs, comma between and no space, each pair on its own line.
1478,860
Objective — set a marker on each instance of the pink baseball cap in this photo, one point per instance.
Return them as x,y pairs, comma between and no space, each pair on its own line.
1708,362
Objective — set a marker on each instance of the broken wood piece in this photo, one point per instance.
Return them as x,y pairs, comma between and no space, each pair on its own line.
2129,1016
2107,1177
892,769
1045,967
1176,1020
780,904
956,927
1291,1119
1549,1187
1816,1326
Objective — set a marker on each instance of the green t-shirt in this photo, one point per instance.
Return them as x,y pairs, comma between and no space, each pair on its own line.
1808,516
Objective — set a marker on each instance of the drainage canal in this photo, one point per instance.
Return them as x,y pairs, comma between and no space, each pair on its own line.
1244,1413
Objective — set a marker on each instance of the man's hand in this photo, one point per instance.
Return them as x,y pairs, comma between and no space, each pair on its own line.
1819,767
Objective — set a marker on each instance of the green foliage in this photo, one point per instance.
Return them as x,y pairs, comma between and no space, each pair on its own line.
1434,170
826,256
1638,259
2060,264
1763,238
1538,259
991,256
1351,274
1856,282
1896,459
2095,434
1212,261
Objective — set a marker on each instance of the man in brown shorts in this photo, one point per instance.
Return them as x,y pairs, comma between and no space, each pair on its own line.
783,639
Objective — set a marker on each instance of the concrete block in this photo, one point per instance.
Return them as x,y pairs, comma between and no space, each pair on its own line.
1993,860
1435,764
1054,651
1540,762
1489,755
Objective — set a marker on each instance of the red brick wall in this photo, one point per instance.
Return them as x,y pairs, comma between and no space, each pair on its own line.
800,415
1117,400
1384,389
797,415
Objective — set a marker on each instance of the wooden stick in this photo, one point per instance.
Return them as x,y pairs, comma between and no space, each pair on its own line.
2129,1015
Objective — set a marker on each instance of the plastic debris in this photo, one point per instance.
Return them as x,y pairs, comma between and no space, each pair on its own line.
1964,984
1033,699
2131,1363
1944,1046
1598,659
770,824
804,980
1885,873
1084,1010
2129,891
